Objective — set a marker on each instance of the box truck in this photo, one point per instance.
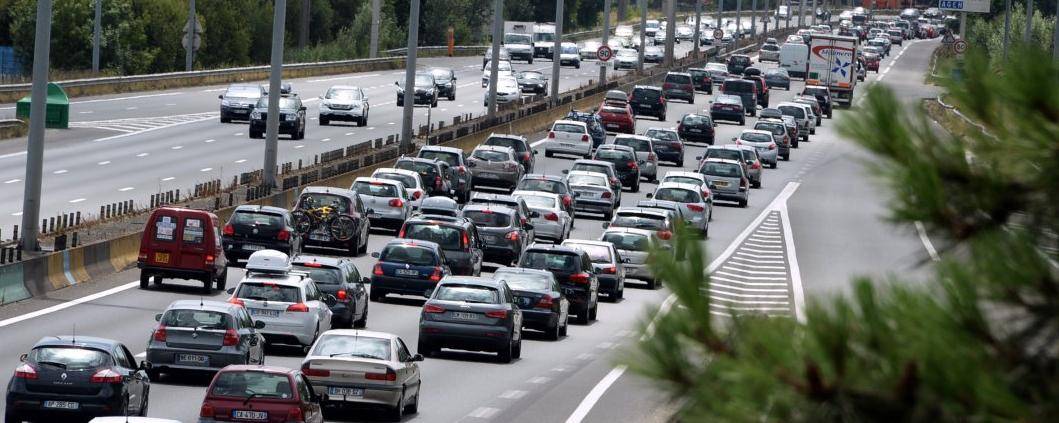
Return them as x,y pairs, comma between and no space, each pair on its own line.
833,63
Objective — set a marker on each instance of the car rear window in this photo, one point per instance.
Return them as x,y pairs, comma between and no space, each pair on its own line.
738,86
467,293
552,261
516,145
539,201
588,180
627,241
312,200
678,79
614,110
568,127
636,144
646,95
638,221
262,291
723,153
755,137
452,159
597,253
375,189
696,120
408,254
488,219
252,218
407,180
554,187
427,171
194,231
678,195
612,155
447,237
201,319
739,60
662,135
528,281
775,128
591,168
164,228
252,383
491,155
72,357
727,170
770,47
682,180
353,346
795,111
321,275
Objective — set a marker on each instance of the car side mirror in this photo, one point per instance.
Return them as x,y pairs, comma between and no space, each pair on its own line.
417,357
258,324
220,97
330,300
375,255
303,108
605,225
715,124
230,291
626,260
320,97
566,171
23,357
365,280
733,139
158,317
396,83
699,157
528,226
576,194
145,365
650,195
472,164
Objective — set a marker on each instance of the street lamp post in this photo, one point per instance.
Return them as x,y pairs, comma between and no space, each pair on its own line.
275,80
35,145
410,77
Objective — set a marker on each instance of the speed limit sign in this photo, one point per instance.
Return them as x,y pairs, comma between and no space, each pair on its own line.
718,34
959,46
604,53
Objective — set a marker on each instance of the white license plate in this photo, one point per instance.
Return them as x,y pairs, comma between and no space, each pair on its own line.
62,405
241,111
264,312
762,149
374,215
493,175
193,359
565,145
645,106
249,415
406,272
250,247
612,125
464,316
694,130
345,392
319,237
721,183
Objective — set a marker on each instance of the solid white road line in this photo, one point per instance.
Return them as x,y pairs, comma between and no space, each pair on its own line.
929,246
66,305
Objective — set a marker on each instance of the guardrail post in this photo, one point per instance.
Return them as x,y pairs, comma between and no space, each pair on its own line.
14,233
177,196
73,240
78,218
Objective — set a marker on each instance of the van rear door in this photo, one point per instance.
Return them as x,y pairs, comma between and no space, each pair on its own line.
193,239
162,240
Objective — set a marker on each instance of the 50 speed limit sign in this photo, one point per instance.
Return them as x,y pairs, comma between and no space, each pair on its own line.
604,53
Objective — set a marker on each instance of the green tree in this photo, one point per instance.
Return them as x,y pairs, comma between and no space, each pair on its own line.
163,24
978,343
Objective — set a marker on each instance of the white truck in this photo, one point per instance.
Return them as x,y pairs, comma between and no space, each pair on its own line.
543,40
518,40
833,63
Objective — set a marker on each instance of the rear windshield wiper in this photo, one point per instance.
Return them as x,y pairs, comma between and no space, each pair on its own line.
53,364
356,354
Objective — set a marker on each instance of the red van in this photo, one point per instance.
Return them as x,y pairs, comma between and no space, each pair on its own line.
262,394
182,243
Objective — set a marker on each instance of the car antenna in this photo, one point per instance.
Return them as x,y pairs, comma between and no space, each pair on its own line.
73,338
200,302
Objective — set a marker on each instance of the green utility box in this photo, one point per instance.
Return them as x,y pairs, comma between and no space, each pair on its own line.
57,109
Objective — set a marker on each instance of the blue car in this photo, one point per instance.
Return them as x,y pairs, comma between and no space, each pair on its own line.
595,126
407,267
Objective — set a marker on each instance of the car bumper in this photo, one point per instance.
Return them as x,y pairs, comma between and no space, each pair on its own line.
281,331
166,358
30,405
402,286
649,170
171,273
729,196
539,319
236,113
623,128
332,243
501,253
495,179
769,156
374,395
609,283
335,114
707,137
547,229
594,206
285,126
463,336
670,156
736,116
638,271
579,148
387,217
241,249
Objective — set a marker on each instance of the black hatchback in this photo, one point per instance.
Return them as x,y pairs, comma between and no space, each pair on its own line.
69,378
696,128
572,267
625,163
737,63
254,228
648,101
338,276
291,117
457,237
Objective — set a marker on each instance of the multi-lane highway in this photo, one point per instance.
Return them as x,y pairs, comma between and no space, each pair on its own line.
817,218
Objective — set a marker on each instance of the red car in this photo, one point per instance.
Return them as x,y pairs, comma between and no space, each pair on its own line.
871,62
262,394
617,118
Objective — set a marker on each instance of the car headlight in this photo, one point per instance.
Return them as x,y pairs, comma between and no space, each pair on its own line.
291,117
255,115
226,103
325,105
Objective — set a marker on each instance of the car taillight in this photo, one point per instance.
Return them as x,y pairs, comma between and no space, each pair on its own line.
389,376
396,202
551,134
283,235
580,278
756,165
610,270
298,308
462,170
526,156
229,229
106,376
512,236
160,334
546,302
696,208
430,308
584,138
206,410
664,235
25,371
606,194
437,182
552,216
401,233
772,146
706,193
377,271
651,157
236,301
632,165
416,194
497,314
309,371
341,295
436,276
210,258
231,338
295,414
743,183
567,200
466,240
142,256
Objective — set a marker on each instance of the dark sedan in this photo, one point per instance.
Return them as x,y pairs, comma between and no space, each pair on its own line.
254,228
696,128
778,78
474,314
338,276
728,107
504,233
532,81
445,80
541,299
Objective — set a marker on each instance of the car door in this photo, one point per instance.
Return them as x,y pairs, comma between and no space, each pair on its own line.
476,249
133,376
407,369
314,299
355,285
586,266
307,394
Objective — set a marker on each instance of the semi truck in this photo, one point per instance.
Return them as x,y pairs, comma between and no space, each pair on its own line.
833,63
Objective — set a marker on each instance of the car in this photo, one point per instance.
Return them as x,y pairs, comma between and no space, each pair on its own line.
568,137
569,54
541,299
506,200
594,123
388,375
344,103
549,218
495,166
718,72
425,90
897,36
727,107
471,313
200,335
291,306
445,81
769,53
625,163
606,264
693,178
504,231
762,142
181,243
792,129
334,218
737,63
760,87
727,179
131,419
823,96
253,228
604,167
456,170
519,46
413,184
617,119
503,68
881,43
589,48
593,192
260,393
697,128
662,222
678,85
507,91
504,56
524,152
684,33
795,39
616,98
648,101
801,113
872,57
386,201
647,159
753,164
291,117
338,276
532,81
552,184
667,145
626,58
779,133
777,78
407,267
697,207
746,156
439,206
572,267
651,27
633,247
862,72
436,174
458,238
814,107
747,92
703,79
653,54
239,100
67,377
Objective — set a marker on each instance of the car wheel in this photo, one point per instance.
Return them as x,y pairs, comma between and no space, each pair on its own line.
742,203
452,97
530,61
222,279
426,349
363,320
154,375
516,351
636,187
555,332
324,121
582,316
255,134
226,120
755,184
413,408
504,354
548,153
608,215
207,285
377,295
812,132
691,100
400,103
396,414
565,326
592,312
773,165
742,121
145,279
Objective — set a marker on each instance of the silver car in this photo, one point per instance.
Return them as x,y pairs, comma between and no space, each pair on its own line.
552,221
694,178
633,246
626,58
588,50
696,209
203,335
507,90
495,166
345,103
803,113
385,200
359,367
593,192
753,165
413,183
645,153
727,180
653,54
763,143
769,53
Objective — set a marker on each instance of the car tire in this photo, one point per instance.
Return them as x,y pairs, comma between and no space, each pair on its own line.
452,97
413,408
226,120
565,326
145,279
255,134
608,215
652,284
363,320
742,203
377,295
400,103
222,279
504,354
636,187
363,121
773,165
582,317
691,100
593,312
555,332
207,285
396,414
548,153
516,351
742,121
756,184
324,121
812,132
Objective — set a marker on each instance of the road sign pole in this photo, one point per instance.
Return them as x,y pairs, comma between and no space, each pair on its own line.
494,59
410,76
35,146
643,34
1007,27
698,23
189,57
606,38
275,80
720,10
813,11
557,51
963,24
373,46
97,34
738,19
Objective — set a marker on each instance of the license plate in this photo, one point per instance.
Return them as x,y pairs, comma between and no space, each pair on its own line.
241,111
645,106
493,175
264,312
762,149
694,130
721,183
612,125
319,237
406,272
249,415
193,359
337,391
161,258
374,215
250,247
464,316
62,405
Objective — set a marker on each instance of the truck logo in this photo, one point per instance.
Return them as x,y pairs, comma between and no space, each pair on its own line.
840,66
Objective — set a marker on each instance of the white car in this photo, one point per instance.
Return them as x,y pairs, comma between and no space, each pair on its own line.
589,48
552,220
413,183
693,178
507,90
763,142
623,31
503,67
292,307
625,58
385,200
696,210
346,103
569,54
568,137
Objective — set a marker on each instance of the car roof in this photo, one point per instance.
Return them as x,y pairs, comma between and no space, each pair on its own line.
572,122
757,131
553,248
679,74
591,162
643,232
677,185
522,270
685,174
220,306
509,136
421,160
720,160
588,242
255,208
324,260
535,193
469,280
616,147
327,190
643,210
441,148
633,136
541,177
293,278
413,243
489,196
492,208
647,87
258,368
587,173
658,128
395,170
77,341
429,220
499,148
378,181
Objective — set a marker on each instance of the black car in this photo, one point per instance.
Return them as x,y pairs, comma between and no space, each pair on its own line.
475,314
668,145
407,267
239,100
339,277
702,79
625,163
291,117
524,152
439,206
437,177
696,128
648,101
504,231
541,299
457,237
70,378
549,183
737,63
458,172
253,228
425,90
532,81
778,78
594,123
445,81
823,97
343,202
729,107
745,90
572,267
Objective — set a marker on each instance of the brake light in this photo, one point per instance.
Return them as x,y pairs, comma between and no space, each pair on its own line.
143,255
283,235
436,276
437,182
430,308
231,338
341,295
772,146
632,165
294,414
389,376
416,194
756,165
546,302
462,170
106,376
610,270
236,301
567,200
160,334
210,258
466,240
526,156
309,371
377,271
651,157
664,235
396,202
584,138
552,216
298,308
606,194
509,167
512,236
206,410
25,371
229,229
582,278
401,233
551,134
497,314
706,192
696,208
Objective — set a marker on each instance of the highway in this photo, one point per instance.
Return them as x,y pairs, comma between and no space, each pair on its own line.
823,205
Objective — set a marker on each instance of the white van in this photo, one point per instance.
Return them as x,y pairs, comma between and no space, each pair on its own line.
794,57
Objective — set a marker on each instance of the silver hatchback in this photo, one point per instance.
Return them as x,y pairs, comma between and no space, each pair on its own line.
385,200
593,192
696,208
634,246
727,180
763,143
203,335
495,166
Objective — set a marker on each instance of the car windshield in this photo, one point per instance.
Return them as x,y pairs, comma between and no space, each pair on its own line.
612,155
539,201
243,92
264,291
683,180
531,75
447,237
517,145
727,170
315,199
737,86
201,319
343,94
776,72
73,358
554,187
696,120
627,241
795,111
568,127
424,80
467,293
321,275
491,155
285,103
356,346
525,281
408,181
729,99
571,50
678,195
441,75
488,218
426,170
755,137
562,262
253,218
452,158
635,143
664,135
408,254
375,189
597,253
246,384
638,222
